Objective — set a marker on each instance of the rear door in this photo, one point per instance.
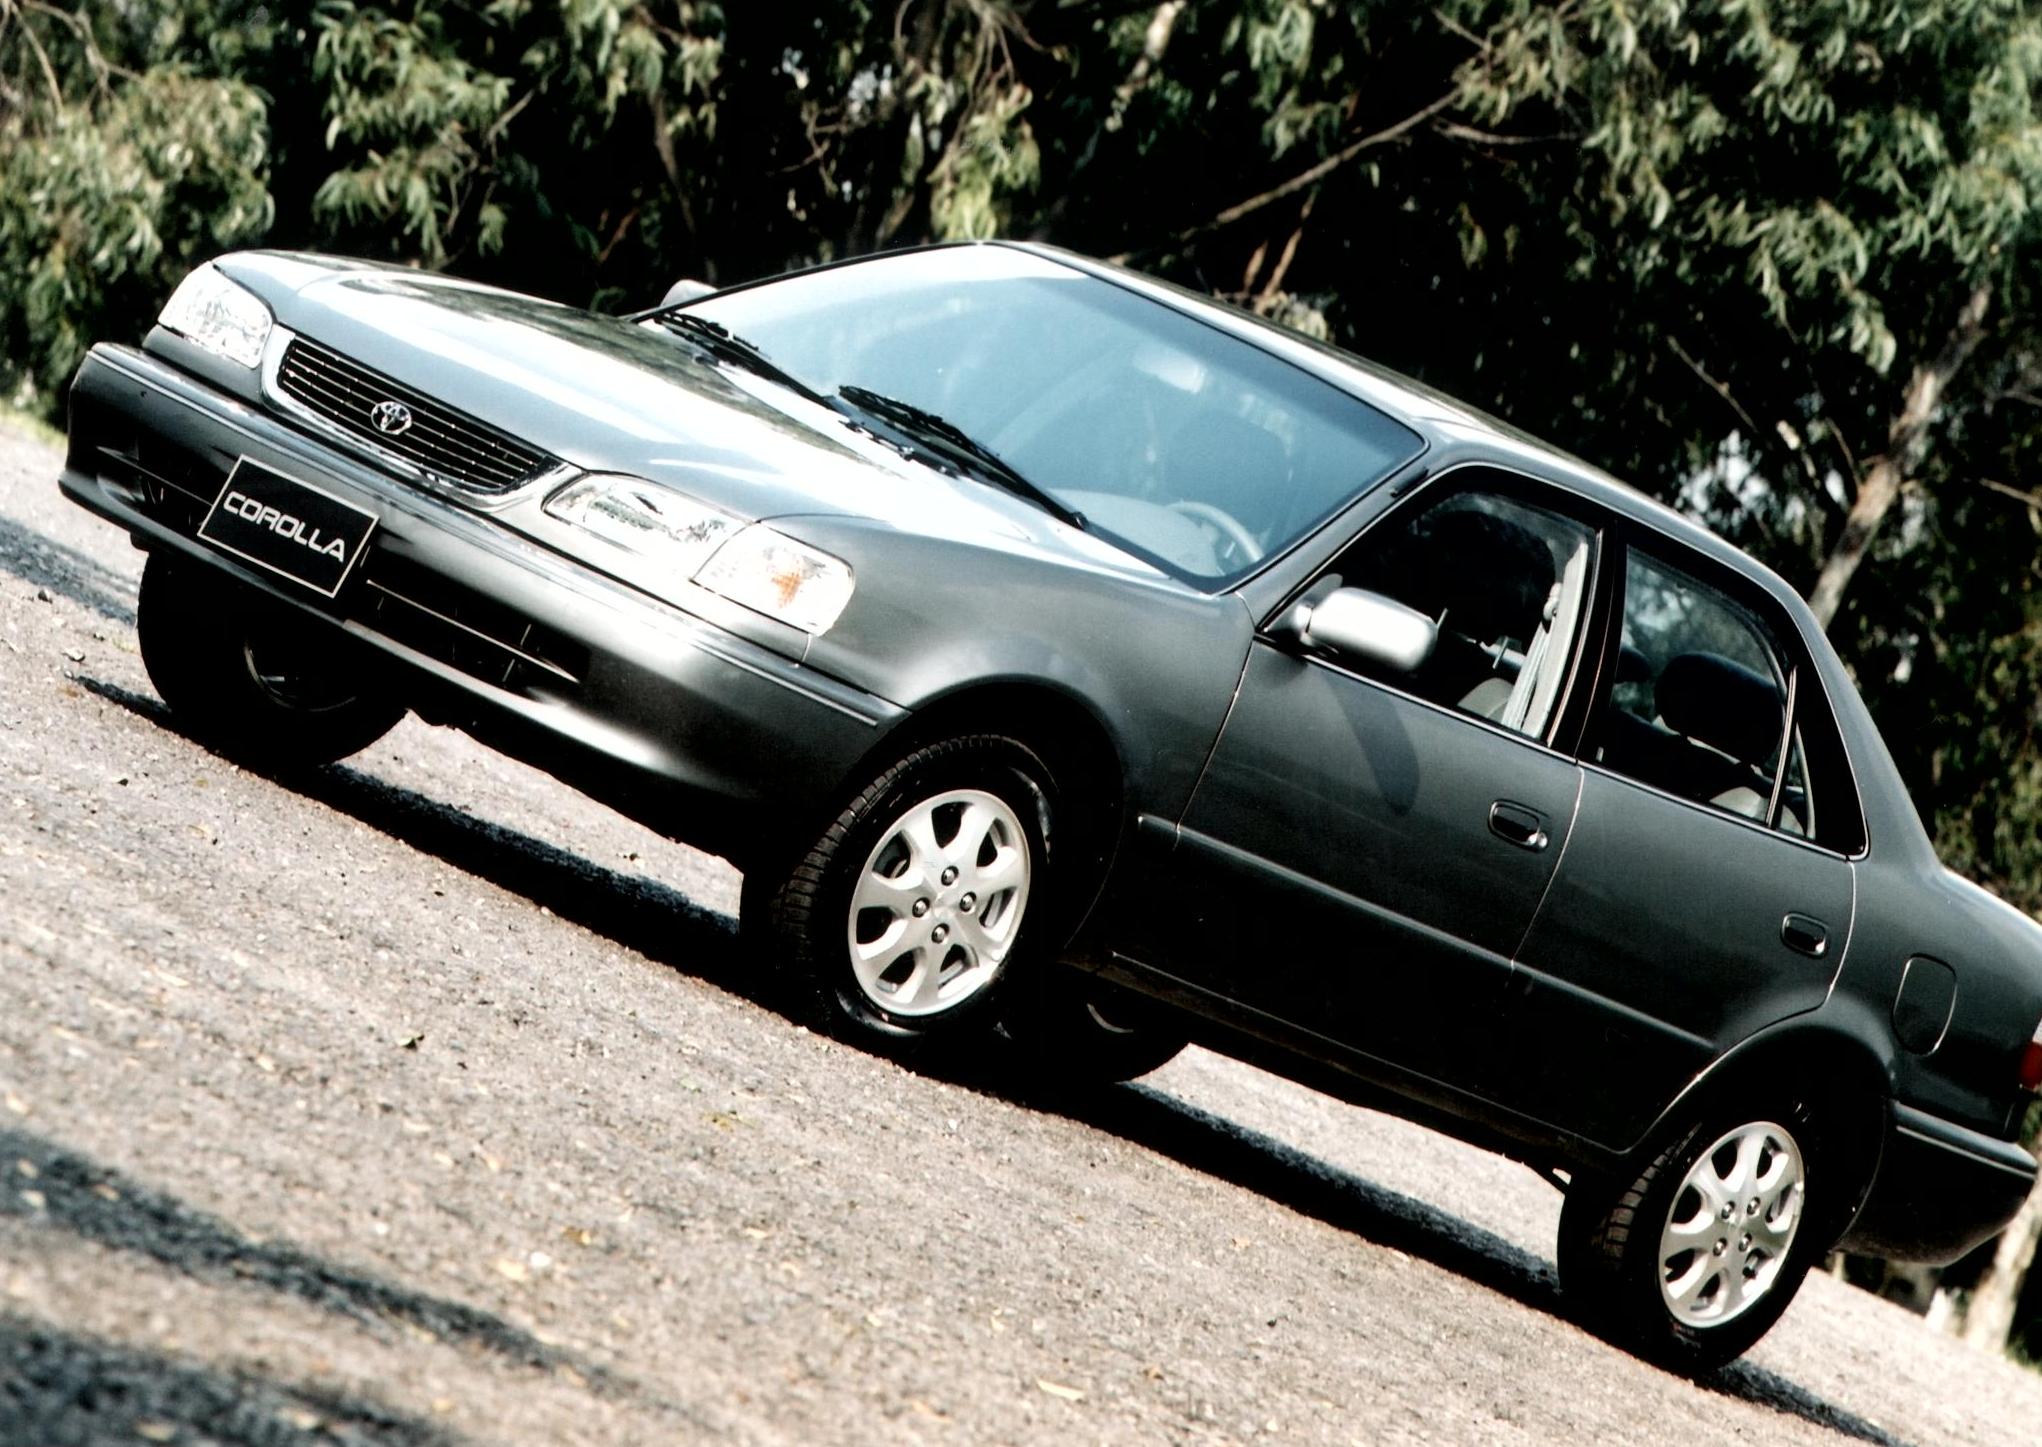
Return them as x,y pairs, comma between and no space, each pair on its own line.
1707,889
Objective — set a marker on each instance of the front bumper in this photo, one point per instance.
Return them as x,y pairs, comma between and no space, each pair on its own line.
1940,1191
685,725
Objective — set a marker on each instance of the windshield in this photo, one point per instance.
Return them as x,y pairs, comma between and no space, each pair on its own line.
1187,446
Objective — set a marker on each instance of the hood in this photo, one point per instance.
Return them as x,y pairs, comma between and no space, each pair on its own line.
607,395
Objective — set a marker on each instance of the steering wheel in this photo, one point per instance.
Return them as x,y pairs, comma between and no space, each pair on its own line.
1234,546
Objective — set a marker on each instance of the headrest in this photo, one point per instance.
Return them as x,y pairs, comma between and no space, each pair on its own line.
1488,575
1722,704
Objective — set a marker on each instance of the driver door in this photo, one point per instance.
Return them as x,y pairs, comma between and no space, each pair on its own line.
1368,847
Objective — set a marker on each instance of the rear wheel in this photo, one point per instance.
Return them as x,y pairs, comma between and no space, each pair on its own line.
906,920
250,677
1694,1260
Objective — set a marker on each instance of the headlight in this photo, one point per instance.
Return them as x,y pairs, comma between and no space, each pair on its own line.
226,319
779,577
674,532
678,538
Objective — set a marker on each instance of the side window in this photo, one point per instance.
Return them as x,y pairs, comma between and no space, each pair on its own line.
1507,584
1701,703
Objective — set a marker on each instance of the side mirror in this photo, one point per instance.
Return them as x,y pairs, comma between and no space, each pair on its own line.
1364,626
686,289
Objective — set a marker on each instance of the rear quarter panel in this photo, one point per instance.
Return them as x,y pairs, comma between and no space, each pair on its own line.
1996,954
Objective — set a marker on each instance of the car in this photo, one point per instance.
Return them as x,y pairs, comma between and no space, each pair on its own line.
1069,658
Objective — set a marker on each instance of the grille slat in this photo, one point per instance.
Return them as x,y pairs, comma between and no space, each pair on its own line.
447,445
343,403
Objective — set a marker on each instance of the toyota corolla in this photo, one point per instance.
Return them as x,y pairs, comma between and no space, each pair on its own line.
1063,654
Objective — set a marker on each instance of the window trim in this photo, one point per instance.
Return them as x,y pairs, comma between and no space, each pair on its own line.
1632,535
1562,734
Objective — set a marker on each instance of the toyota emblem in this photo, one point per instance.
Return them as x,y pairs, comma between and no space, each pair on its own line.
392,419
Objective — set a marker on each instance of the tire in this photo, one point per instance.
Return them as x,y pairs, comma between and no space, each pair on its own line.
1074,1030
907,920
1656,1265
251,678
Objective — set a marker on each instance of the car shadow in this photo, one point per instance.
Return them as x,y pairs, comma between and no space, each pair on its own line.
96,1203
635,911
57,568
66,1388
666,926
1241,1156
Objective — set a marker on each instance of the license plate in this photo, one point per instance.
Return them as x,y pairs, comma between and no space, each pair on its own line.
288,526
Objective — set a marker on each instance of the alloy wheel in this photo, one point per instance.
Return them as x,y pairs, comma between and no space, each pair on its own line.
1732,1224
938,902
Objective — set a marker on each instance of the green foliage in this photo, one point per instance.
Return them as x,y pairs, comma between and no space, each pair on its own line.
107,205
1708,245
416,119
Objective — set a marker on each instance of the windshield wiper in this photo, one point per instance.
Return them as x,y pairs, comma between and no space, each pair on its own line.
725,345
986,464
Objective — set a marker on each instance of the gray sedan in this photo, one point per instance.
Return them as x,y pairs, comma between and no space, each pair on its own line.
1067,656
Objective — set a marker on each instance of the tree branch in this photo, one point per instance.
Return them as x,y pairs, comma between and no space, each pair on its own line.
1457,131
2032,499
1314,173
1155,40
1721,389
43,59
1906,440
1273,287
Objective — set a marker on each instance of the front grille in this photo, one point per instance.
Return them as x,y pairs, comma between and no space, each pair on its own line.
445,445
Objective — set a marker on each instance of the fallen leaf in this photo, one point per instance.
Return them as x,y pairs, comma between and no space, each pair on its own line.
1059,1390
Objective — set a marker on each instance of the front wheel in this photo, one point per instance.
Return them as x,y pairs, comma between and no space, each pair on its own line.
252,678
906,919
1698,1257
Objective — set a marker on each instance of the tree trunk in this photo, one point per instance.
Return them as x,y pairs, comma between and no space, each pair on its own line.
1155,41
1990,1316
1906,440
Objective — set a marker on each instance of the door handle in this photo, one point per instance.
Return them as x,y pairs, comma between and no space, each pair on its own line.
1804,933
1515,824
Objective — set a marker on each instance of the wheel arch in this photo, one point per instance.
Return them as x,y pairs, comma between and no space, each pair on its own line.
1837,1060
1074,744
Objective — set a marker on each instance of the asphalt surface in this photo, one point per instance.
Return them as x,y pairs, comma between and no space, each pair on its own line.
426,1102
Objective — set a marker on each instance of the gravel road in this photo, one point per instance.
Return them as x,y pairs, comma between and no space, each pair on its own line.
430,1103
